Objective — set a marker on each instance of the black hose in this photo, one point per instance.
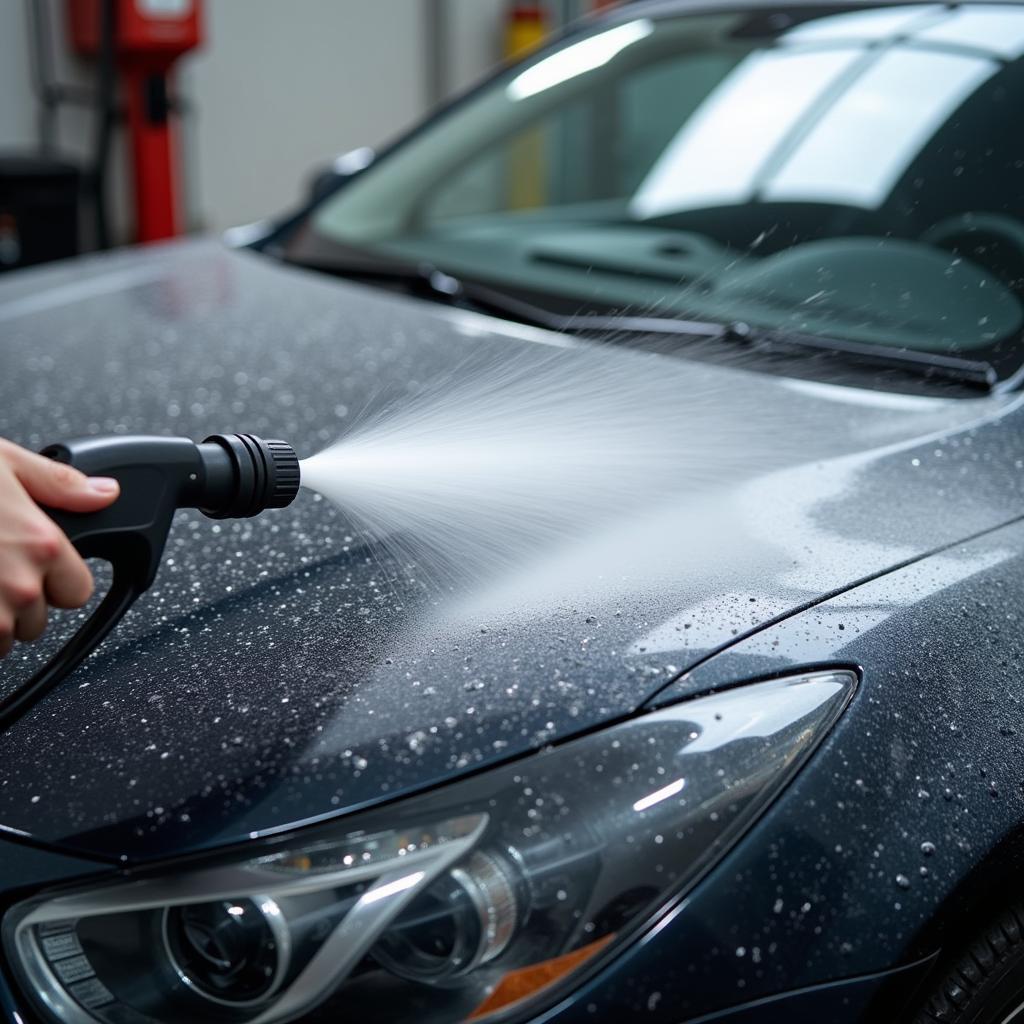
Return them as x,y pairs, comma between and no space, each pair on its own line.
118,600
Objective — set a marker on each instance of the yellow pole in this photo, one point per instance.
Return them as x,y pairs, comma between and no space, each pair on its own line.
525,31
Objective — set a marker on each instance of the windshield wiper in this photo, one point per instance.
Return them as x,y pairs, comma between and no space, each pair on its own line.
972,372
427,281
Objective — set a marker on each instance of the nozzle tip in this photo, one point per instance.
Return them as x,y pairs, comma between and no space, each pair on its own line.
265,474
284,483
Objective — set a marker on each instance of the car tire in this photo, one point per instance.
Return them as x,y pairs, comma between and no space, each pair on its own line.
984,982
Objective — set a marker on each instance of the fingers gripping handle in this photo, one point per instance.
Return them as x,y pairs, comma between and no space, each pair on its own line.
227,476
157,475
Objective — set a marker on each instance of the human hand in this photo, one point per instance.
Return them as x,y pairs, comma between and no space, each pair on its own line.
39,567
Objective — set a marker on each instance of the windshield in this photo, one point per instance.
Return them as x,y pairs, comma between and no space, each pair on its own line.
857,175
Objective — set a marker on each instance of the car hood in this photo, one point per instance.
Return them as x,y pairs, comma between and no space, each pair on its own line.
280,671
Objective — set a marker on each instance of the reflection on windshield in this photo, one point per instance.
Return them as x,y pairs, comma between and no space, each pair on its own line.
576,59
865,27
851,175
719,154
819,123
864,121
996,30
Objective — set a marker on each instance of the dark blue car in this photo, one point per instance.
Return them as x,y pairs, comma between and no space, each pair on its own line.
773,774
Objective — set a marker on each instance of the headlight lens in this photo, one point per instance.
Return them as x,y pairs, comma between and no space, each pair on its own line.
458,904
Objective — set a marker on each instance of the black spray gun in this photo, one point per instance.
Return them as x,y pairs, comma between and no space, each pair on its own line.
228,476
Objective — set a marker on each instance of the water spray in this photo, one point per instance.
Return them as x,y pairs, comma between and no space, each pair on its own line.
227,476
525,473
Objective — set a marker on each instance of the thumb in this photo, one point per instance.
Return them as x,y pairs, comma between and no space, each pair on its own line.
60,486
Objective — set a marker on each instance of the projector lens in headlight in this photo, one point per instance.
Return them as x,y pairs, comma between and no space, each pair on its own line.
485,895
231,951
466,918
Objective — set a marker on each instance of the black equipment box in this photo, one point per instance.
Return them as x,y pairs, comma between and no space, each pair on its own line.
39,209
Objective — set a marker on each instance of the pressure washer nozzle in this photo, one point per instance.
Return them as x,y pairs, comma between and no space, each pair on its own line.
255,475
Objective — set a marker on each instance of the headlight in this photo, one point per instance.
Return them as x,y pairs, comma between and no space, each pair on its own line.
476,897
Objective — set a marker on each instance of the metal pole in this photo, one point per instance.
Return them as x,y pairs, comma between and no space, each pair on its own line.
435,57
41,66
106,99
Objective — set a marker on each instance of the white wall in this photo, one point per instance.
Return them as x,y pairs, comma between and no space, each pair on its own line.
280,87
17,123
474,40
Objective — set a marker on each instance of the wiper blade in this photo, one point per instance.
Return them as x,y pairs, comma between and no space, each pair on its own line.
973,372
588,323
428,281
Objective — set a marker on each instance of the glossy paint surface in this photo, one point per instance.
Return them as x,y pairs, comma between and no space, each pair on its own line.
290,669
279,667
903,833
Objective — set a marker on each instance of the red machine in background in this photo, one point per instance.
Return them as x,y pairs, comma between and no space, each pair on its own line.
142,39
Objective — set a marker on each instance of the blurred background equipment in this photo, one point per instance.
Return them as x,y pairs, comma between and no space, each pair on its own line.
38,209
134,120
526,29
142,39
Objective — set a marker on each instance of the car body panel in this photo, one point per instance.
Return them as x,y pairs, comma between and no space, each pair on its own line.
823,904
901,837
871,997
289,669
891,843
247,689
27,865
